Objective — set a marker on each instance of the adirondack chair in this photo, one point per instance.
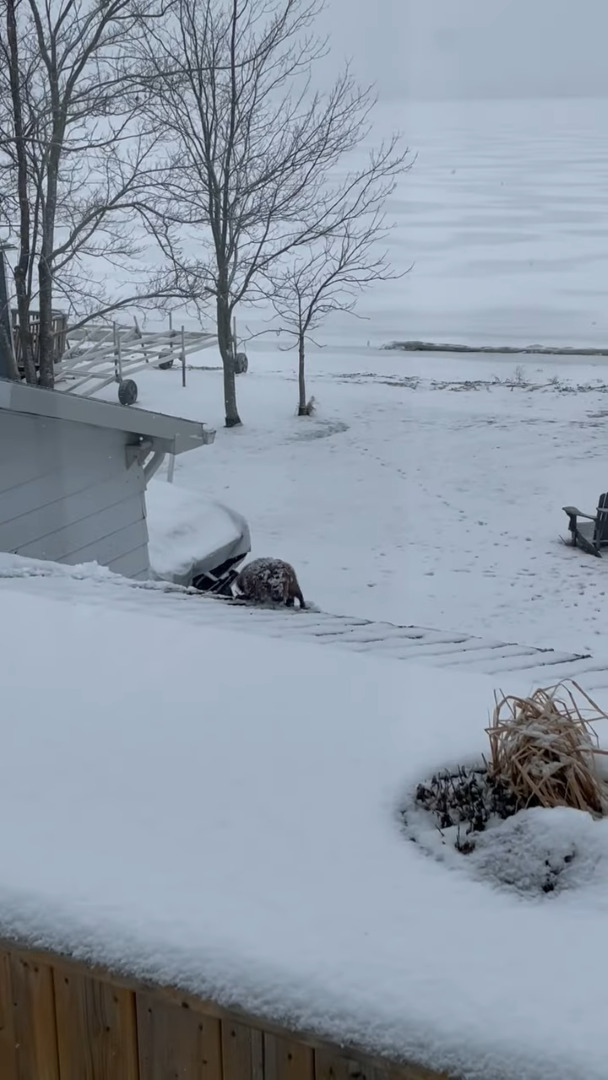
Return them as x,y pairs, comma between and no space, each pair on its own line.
591,533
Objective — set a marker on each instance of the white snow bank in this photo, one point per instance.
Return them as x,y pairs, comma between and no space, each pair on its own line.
188,530
535,852
221,811
544,849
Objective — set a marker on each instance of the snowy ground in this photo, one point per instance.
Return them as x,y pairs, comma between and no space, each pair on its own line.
410,500
304,901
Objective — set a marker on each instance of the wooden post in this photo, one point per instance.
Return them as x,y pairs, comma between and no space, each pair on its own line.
8,364
141,338
114,336
119,353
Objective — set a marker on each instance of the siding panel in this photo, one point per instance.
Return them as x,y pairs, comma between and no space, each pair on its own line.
133,564
83,534
66,495
32,448
108,549
60,484
67,511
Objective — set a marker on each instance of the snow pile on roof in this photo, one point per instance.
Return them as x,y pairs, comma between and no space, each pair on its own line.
222,811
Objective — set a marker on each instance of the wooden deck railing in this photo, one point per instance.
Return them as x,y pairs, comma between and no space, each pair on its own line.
62,1020
60,330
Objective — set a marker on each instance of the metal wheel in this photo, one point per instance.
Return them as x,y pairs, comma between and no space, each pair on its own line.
127,392
241,363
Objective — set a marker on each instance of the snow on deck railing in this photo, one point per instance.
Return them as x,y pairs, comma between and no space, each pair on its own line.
98,355
66,1018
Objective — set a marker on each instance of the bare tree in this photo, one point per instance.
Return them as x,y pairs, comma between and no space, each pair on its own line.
17,78
252,150
74,157
334,268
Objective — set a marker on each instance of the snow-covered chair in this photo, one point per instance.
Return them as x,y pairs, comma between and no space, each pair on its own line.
591,533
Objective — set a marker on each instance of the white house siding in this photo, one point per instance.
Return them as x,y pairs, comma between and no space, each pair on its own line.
67,495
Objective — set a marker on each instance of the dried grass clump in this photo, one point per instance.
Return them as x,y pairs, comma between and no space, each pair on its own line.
544,748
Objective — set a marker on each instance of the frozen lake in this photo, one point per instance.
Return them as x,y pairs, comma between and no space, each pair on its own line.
500,230
504,221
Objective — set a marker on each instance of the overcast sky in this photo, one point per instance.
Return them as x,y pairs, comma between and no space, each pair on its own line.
475,48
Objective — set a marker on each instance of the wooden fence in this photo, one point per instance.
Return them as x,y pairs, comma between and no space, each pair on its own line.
62,1020
60,333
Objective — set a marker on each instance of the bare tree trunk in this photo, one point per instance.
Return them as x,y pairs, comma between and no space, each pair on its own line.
226,344
8,369
45,273
21,270
302,410
23,310
45,279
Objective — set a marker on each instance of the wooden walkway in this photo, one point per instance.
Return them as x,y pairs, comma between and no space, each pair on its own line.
420,645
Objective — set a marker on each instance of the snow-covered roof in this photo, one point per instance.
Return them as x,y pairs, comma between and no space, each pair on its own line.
175,435
220,811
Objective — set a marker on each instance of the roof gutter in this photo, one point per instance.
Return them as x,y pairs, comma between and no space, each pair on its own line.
175,434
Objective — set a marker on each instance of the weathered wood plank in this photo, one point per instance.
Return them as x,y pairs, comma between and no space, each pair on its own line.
330,1065
176,1043
34,1019
242,1052
333,1065
409,1072
286,1059
8,1052
96,1028
247,1028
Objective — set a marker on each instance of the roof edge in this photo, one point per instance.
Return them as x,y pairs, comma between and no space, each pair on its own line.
19,397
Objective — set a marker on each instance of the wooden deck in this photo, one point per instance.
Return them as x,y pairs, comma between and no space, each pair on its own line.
64,1020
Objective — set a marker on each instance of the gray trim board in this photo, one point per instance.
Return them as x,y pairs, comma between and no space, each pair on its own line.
169,433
